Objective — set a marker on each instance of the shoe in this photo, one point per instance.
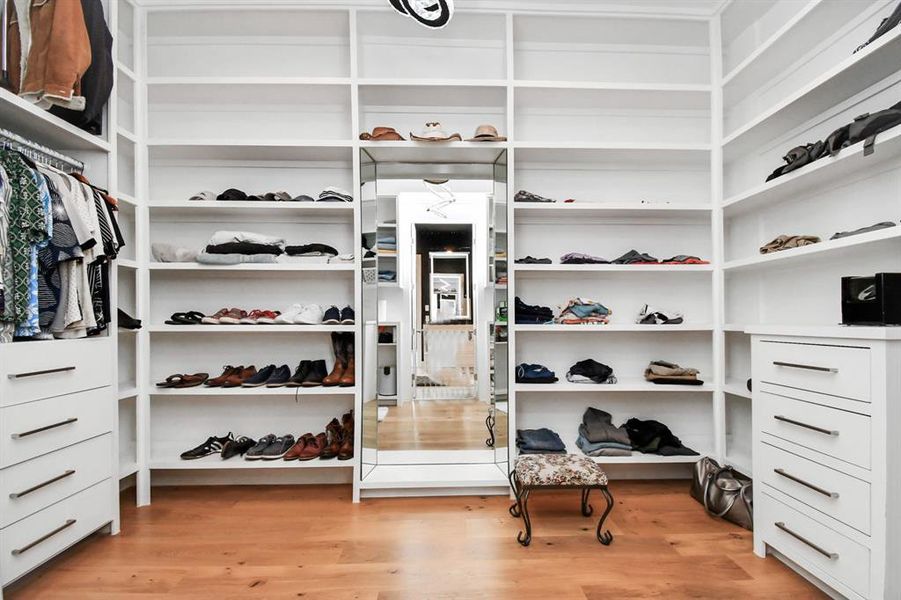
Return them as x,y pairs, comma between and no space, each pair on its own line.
238,378
316,375
335,434
348,379
213,445
332,316
233,317
236,447
334,378
346,451
314,447
252,317
294,452
191,380
126,321
267,317
278,448
280,377
261,377
287,316
256,451
213,319
310,315
303,368
227,371
347,316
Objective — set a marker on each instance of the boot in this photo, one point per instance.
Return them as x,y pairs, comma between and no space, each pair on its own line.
334,378
348,379
314,447
346,452
335,438
316,375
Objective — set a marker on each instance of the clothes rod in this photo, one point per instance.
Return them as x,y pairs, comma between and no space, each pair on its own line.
38,152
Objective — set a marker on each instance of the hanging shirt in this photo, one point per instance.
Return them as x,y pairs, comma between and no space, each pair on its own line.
29,324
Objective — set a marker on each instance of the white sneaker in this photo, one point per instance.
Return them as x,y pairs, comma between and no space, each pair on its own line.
289,314
310,315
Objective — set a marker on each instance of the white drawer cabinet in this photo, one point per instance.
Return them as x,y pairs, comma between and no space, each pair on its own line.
827,455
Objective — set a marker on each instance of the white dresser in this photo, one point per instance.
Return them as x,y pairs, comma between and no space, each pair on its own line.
827,452
57,414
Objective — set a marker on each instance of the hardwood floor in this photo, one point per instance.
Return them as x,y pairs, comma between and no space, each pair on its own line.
435,425
313,543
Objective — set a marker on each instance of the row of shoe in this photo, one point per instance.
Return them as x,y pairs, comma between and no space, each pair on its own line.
296,314
329,194
337,441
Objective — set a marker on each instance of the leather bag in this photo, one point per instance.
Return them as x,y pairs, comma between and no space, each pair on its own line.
724,492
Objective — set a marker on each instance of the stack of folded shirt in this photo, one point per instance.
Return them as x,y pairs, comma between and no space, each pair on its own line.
527,314
234,247
578,258
599,437
584,311
684,259
634,257
334,194
524,196
653,437
528,373
662,372
387,244
387,276
590,371
531,260
539,441
785,242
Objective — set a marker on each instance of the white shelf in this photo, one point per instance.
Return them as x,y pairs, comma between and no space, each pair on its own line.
126,134
580,211
248,393
127,199
170,460
126,71
426,83
251,81
127,392
126,263
247,149
434,152
556,268
691,156
640,88
29,121
638,458
251,209
613,328
734,327
741,463
128,469
814,250
203,328
622,386
253,267
737,388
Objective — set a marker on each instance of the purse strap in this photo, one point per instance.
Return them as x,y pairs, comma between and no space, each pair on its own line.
712,477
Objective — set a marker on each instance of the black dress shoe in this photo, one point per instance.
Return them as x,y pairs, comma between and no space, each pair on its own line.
303,369
236,447
317,373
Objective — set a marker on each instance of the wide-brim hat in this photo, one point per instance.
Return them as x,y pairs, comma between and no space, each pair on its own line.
382,134
487,133
434,133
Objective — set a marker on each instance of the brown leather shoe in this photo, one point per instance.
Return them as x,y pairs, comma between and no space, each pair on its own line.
335,438
227,371
295,451
237,379
314,447
334,378
347,379
346,452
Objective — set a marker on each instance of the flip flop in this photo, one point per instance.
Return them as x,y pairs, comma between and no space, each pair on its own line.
194,380
185,318
171,381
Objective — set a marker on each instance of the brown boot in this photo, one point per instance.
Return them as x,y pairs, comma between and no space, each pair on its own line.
346,452
296,451
314,447
334,378
348,379
336,437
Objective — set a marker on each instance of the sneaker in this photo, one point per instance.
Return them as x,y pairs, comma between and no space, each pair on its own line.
332,316
303,369
278,448
261,377
280,377
213,445
316,374
267,317
232,317
347,316
213,319
256,451
310,315
252,317
287,316
236,447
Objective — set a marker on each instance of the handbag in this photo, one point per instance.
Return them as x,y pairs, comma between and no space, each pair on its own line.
724,492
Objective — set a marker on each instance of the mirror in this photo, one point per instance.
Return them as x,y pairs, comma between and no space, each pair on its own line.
434,304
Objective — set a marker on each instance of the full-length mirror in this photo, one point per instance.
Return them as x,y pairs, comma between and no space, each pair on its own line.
434,303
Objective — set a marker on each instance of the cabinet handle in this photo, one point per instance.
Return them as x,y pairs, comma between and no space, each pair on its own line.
831,432
817,489
34,488
43,538
68,421
804,540
44,372
779,363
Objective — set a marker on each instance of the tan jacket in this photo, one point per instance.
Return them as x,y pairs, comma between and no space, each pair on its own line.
55,39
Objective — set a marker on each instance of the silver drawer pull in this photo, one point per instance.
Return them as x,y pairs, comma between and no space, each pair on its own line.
36,373
68,421
34,488
804,540
779,363
43,538
831,432
817,489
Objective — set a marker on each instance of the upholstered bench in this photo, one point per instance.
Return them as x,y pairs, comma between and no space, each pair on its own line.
554,472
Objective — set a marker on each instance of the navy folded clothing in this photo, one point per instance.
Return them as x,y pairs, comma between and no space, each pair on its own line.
529,314
311,250
541,440
528,373
243,248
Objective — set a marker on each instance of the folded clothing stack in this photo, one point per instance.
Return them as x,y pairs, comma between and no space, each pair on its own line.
590,371
579,258
539,441
527,314
311,250
662,372
653,437
599,437
231,247
528,373
387,276
387,244
655,316
786,242
584,311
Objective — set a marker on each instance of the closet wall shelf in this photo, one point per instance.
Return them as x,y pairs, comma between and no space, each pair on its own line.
127,392
243,149
688,156
622,386
126,199
434,152
822,174
613,328
638,458
253,267
611,268
246,393
814,250
857,72
237,81
734,327
527,212
413,83
741,463
215,462
612,86
251,210
737,388
125,70
36,124
128,469
127,135
248,328
127,263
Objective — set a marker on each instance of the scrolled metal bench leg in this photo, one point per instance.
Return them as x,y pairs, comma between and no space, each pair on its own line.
606,537
525,538
587,509
515,508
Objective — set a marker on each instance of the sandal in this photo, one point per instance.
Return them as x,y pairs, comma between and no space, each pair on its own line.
194,380
171,381
185,318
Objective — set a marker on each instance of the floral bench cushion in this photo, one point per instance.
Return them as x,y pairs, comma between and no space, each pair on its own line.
536,470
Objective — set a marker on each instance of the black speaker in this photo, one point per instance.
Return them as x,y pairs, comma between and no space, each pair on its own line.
874,300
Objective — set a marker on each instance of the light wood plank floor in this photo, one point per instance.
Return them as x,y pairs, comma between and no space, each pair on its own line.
436,425
313,543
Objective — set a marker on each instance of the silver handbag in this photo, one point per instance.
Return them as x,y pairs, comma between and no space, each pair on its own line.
724,492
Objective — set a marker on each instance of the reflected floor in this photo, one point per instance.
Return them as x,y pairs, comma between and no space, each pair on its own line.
434,425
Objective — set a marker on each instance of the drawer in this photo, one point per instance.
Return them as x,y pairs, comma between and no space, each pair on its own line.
835,494
33,485
837,433
824,552
833,370
36,428
32,541
34,370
